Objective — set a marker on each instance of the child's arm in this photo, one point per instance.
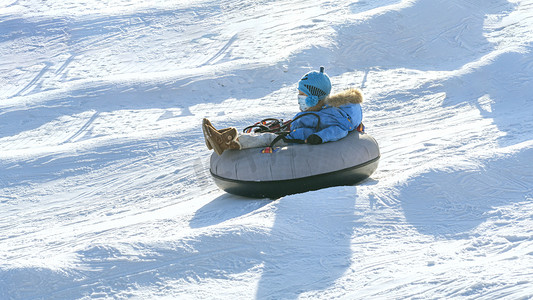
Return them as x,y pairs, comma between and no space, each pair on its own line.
300,133
332,133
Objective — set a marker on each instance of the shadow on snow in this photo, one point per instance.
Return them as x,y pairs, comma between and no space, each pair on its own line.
306,249
450,204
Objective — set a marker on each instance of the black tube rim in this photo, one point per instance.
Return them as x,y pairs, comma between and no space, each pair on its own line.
278,188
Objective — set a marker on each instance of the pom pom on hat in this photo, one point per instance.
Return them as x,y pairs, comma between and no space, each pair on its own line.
316,85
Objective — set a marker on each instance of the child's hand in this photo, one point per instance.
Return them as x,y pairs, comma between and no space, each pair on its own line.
314,139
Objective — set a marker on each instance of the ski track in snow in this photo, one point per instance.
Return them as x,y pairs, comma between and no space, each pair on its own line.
105,190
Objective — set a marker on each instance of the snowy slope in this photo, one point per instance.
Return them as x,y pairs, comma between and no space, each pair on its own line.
104,184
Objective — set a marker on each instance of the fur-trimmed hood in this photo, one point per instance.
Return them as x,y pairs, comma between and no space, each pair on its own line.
349,96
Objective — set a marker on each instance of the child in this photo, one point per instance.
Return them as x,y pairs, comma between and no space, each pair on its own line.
323,118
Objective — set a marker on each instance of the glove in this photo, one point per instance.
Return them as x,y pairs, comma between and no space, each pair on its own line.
314,139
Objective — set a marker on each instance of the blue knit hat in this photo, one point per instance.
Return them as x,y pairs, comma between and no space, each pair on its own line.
316,86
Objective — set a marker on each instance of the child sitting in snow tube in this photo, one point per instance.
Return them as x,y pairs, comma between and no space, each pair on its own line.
323,118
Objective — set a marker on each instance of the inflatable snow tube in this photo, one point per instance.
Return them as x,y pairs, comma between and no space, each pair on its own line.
296,168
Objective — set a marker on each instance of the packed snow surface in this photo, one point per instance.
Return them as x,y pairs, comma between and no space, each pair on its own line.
105,190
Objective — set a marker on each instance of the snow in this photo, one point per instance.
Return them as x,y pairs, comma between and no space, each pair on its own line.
105,190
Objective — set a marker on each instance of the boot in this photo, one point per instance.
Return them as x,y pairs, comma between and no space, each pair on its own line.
222,141
205,123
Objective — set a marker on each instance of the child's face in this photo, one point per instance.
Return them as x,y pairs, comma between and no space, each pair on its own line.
301,100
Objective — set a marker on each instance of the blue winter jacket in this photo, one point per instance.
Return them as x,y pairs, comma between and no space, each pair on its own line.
341,114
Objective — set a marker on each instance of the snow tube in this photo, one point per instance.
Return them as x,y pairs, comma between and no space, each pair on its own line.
296,168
